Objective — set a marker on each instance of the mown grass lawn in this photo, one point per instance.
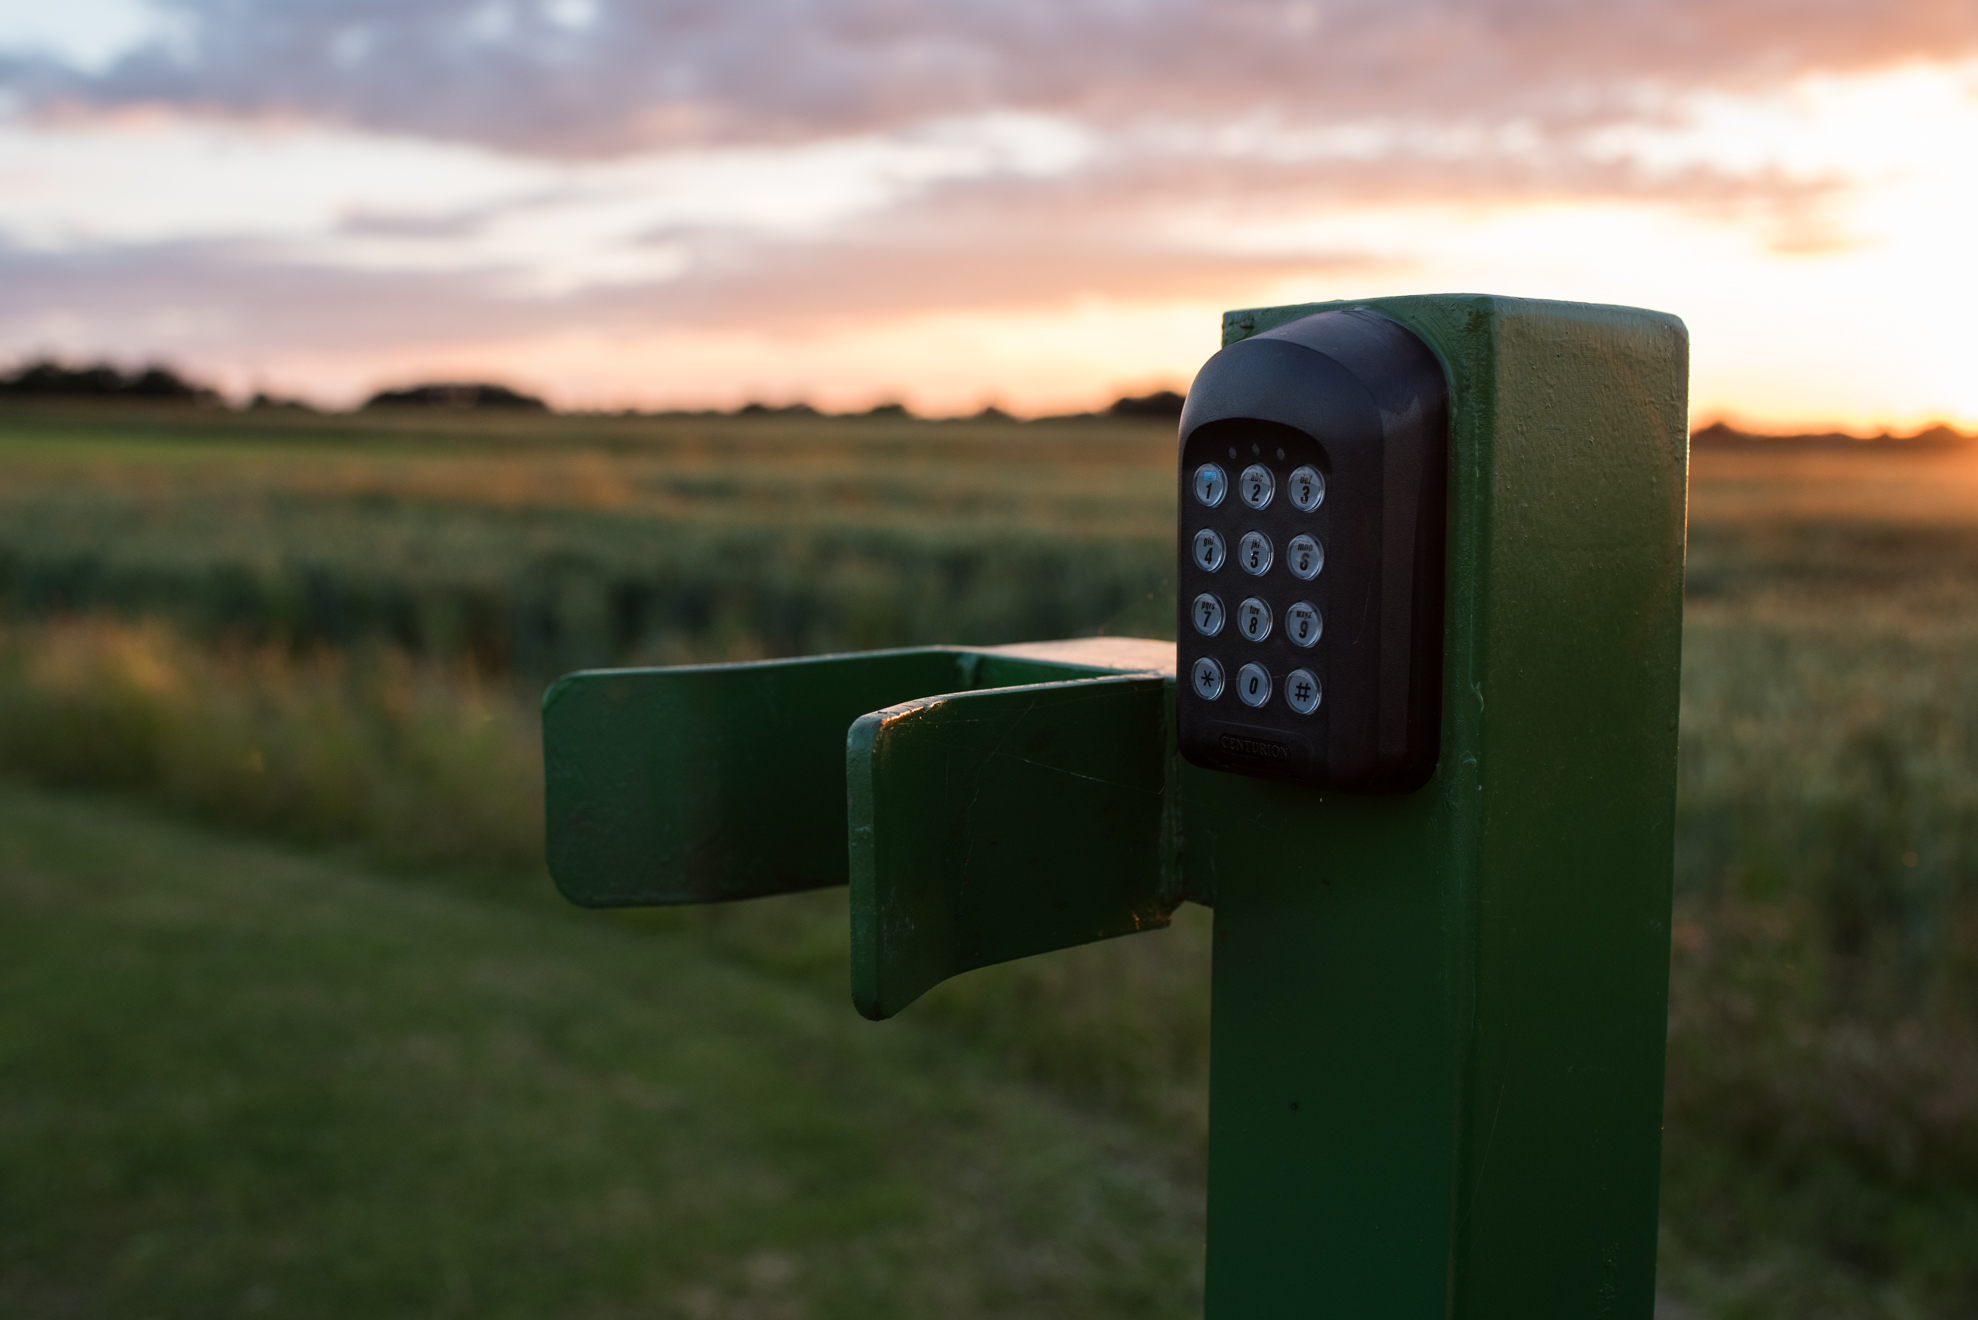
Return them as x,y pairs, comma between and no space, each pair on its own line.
239,1081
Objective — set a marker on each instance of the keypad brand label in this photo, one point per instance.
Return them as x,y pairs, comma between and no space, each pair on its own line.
1275,751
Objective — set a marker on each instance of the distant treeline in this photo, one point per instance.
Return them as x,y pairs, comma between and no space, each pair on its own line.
47,378
457,394
1717,435
50,379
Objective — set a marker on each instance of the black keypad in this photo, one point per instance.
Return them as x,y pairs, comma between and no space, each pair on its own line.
1313,474
1253,587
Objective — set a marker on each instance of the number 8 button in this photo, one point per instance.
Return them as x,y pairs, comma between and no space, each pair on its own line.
1253,619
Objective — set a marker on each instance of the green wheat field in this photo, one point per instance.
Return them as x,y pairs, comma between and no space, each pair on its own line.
292,1023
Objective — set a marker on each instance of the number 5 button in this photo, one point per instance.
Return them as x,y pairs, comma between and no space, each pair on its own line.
1254,552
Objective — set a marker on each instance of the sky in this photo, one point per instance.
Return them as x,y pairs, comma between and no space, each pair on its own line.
958,203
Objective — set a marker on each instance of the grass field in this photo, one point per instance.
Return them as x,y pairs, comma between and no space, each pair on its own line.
325,633
539,545
240,1081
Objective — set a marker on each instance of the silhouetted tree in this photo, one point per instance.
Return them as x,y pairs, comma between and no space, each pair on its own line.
48,378
1161,403
456,394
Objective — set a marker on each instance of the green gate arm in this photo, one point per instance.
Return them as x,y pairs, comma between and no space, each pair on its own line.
993,825
705,783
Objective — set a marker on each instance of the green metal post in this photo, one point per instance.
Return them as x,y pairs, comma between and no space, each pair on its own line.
1438,1020
1439,1016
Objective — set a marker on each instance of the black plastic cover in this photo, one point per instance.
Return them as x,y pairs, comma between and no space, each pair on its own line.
1364,402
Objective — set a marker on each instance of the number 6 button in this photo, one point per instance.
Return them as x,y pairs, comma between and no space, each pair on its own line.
1304,557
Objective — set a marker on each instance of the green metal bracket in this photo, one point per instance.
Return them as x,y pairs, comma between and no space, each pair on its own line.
1439,1016
992,825
706,783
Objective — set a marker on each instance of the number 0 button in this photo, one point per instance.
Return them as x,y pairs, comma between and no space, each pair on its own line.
1210,485
1208,679
1207,615
1253,685
1254,552
1207,547
1301,691
1307,489
1257,485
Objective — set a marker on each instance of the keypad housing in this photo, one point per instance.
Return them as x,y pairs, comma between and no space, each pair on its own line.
1363,402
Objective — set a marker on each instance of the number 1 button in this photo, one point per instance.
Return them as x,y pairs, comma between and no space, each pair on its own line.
1210,485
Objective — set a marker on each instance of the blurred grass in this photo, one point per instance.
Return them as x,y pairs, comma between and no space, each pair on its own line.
242,1082
1822,1148
546,545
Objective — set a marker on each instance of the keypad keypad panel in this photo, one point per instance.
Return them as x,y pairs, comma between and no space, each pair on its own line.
1256,675
1331,434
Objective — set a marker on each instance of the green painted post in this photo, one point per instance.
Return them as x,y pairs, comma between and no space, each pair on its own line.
1439,1016
1439,1019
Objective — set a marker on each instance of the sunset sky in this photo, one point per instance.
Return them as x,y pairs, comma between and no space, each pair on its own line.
959,202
